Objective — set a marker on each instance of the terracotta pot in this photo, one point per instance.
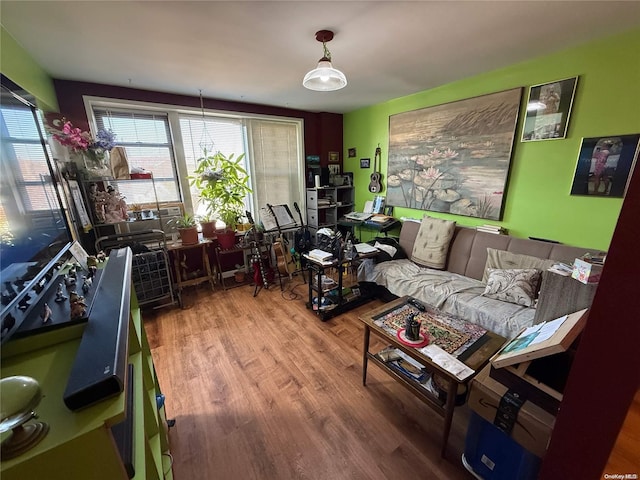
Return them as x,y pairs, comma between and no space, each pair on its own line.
239,276
226,238
189,236
208,229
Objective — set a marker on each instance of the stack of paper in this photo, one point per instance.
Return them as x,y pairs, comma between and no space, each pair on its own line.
320,255
365,248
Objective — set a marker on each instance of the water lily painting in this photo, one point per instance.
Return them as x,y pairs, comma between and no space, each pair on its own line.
454,158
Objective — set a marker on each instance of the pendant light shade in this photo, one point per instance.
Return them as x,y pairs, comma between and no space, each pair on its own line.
324,78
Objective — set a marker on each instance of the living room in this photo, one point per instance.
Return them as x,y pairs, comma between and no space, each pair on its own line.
537,200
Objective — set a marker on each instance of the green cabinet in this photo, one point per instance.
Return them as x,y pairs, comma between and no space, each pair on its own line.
81,444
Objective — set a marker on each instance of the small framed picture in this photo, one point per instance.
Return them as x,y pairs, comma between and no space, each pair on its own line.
334,157
334,169
352,152
605,165
548,110
365,163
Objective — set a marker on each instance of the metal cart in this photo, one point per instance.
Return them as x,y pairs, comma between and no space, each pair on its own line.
150,272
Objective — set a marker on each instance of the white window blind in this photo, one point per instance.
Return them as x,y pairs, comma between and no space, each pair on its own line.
147,141
276,162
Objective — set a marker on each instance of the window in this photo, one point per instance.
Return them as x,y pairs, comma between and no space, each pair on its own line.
147,140
168,141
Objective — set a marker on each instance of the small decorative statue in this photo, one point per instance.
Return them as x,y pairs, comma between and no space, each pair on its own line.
46,314
412,328
60,297
78,307
69,281
86,284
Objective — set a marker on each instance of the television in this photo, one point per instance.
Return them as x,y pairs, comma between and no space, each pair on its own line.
34,231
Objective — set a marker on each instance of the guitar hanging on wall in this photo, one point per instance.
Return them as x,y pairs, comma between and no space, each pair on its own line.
375,185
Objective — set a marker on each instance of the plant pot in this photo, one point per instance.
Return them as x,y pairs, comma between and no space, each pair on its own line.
226,238
189,236
239,276
208,229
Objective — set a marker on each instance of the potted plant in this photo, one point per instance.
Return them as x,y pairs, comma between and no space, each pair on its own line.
208,224
223,184
187,226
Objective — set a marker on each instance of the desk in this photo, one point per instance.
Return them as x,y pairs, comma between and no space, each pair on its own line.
370,225
475,360
184,277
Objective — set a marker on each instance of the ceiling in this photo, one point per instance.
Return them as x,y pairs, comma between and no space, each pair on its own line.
259,51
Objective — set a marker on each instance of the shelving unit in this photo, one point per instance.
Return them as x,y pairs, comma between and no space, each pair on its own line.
325,206
151,216
80,444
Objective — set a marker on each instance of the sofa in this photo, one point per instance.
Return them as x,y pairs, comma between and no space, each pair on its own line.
460,287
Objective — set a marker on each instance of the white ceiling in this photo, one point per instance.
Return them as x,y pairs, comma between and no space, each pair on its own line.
259,51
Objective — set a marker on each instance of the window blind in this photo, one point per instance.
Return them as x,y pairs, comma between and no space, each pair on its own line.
147,140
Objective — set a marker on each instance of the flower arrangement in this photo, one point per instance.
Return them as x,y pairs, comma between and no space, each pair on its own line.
78,141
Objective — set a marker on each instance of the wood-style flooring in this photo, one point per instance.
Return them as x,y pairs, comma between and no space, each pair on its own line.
260,388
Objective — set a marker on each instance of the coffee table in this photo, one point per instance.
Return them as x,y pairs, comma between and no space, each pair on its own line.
476,358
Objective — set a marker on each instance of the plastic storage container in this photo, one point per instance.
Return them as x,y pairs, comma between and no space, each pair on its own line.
490,453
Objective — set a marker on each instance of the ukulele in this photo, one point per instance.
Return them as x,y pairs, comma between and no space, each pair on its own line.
281,249
375,185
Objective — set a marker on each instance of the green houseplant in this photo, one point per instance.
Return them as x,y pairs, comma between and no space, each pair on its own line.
187,226
223,184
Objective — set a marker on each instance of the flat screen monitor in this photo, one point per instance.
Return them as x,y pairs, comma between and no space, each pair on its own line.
33,226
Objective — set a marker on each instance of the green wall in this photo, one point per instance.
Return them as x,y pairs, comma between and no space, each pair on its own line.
17,65
538,203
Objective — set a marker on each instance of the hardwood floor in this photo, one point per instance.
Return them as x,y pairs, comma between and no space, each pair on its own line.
262,389
625,456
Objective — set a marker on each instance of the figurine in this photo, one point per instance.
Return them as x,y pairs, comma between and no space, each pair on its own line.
60,297
86,285
46,313
412,327
78,307
69,281
92,271
101,256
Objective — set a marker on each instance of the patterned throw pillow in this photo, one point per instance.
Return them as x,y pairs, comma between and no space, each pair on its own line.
514,286
431,246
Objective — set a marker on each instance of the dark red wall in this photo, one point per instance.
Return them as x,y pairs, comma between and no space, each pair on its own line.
606,371
322,131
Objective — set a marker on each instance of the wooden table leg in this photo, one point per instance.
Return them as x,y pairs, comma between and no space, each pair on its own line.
365,357
448,415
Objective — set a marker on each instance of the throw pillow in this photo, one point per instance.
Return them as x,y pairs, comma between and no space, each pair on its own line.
518,285
432,242
508,260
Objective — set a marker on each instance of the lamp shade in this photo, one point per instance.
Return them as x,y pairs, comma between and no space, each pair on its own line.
324,78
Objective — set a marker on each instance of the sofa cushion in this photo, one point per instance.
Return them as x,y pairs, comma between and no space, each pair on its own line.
432,242
509,260
517,285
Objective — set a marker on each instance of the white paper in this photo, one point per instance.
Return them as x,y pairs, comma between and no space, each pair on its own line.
447,361
365,248
547,329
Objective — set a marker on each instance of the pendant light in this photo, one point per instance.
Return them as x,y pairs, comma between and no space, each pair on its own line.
324,78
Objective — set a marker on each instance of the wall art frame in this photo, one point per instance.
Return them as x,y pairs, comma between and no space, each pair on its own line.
365,163
605,164
334,157
548,110
455,157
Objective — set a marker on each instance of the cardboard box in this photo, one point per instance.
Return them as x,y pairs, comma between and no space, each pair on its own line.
586,272
528,424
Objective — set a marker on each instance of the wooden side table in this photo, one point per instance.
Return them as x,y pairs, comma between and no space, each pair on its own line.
561,295
182,272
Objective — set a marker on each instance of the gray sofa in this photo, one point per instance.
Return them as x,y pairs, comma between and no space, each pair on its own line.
458,289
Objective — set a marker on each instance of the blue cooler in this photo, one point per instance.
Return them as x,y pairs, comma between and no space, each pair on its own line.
489,453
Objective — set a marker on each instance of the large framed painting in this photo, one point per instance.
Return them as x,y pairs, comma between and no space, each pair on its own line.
605,164
454,158
548,110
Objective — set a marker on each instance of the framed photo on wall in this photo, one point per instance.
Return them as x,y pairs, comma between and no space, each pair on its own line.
365,163
605,165
352,152
334,157
548,110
